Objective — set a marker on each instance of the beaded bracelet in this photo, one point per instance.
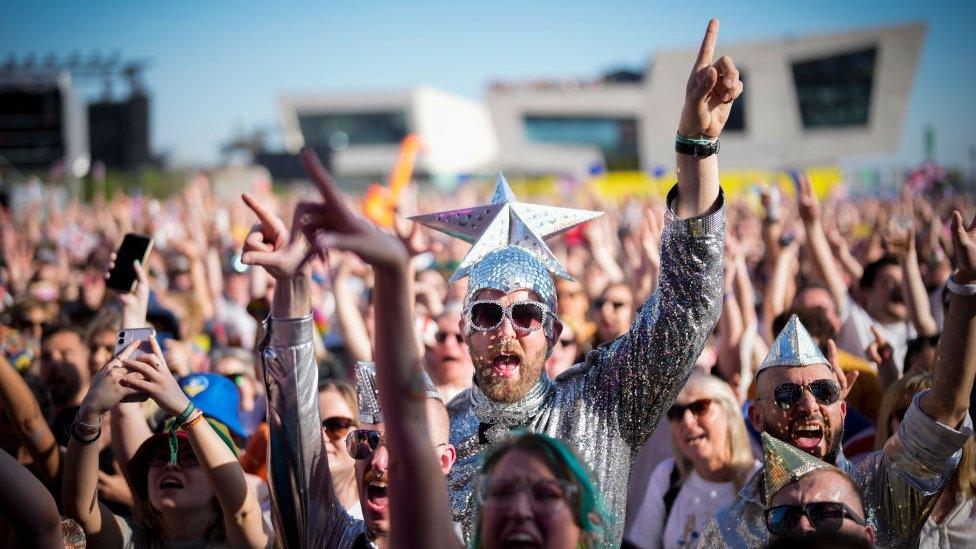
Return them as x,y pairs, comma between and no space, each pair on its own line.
80,437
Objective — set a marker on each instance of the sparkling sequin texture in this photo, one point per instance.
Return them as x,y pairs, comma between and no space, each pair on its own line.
608,405
793,347
900,485
783,464
504,222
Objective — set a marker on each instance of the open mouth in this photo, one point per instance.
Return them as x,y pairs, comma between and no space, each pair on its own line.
807,437
697,439
376,496
505,366
170,483
520,540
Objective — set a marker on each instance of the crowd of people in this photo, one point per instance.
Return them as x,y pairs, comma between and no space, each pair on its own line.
694,370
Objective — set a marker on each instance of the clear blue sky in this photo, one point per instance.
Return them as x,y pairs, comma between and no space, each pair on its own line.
221,66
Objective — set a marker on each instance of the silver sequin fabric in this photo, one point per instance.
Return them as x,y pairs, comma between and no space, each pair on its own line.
608,406
304,509
899,483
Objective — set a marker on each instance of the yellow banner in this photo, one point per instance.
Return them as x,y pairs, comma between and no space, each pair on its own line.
619,185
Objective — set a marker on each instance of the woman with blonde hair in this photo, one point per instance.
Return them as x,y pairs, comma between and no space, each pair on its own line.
712,460
952,522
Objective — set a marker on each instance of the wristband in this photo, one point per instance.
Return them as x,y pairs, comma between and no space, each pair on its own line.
89,427
960,289
694,140
193,421
81,437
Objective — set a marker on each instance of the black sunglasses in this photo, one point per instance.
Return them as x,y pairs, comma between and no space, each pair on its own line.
825,391
698,407
362,443
441,337
337,427
526,316
823,516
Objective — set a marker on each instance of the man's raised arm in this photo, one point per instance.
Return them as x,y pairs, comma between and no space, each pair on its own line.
305,510
646,367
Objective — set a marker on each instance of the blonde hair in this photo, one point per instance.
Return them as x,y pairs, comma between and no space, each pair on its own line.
899,396
742,461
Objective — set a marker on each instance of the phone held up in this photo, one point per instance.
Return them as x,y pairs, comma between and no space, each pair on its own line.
134,247
128,336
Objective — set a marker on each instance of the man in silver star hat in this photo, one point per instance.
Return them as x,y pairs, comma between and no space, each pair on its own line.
608,405
800,401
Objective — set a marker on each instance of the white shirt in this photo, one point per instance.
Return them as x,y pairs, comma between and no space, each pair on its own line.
855,333
695,505
958,529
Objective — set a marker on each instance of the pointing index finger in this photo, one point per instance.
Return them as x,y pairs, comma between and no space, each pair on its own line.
267,220
708,45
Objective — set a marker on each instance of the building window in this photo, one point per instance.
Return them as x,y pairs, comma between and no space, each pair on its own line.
616,137
337,131
737,116
835,92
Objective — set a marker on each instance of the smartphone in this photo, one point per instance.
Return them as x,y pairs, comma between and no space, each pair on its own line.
134,247
126,337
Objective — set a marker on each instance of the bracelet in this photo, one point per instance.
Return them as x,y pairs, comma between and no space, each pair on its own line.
960,289
81,438
184,416
193,421
693,140
89,427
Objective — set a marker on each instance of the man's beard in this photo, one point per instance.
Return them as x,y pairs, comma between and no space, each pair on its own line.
832,438
512,389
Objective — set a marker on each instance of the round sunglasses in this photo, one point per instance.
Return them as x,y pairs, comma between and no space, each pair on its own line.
786,395
545,495
525,316
362,443
823,516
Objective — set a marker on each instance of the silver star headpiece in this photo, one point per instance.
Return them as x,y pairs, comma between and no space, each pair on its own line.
505,222
794,346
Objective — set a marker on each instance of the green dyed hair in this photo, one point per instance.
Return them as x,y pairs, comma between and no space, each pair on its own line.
587,503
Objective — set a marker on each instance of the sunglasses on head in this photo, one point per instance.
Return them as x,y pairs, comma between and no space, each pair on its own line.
362,443
184,456
441,337
825,391
337,427
824,516
698,408
525,316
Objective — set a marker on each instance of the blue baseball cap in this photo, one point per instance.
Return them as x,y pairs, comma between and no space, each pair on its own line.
217,397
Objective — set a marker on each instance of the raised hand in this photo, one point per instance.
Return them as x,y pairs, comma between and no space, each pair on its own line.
330,224
269,245
156,380
107,387
963,249
879,351
807,203
845,379
710,92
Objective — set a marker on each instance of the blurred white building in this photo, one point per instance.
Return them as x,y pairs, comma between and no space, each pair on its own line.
809,101
364,130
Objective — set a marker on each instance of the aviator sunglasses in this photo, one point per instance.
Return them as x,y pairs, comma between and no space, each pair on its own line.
525,316
825,391
823,516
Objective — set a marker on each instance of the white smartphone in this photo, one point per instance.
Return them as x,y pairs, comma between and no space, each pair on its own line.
144,337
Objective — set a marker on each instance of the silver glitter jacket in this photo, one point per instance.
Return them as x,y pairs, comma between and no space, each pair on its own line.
608,406
899,483
304,509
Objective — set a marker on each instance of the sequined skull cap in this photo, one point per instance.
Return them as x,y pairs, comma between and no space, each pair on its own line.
794,346
508,250
369,396
783,464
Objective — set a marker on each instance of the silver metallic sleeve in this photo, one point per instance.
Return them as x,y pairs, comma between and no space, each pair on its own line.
644,369
902,483
304,509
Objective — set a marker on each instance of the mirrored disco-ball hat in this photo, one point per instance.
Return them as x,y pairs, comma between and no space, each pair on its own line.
783,464
368,393
794,346
508,249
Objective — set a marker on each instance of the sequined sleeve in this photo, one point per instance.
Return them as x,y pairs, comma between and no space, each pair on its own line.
643,370
902,483
304,508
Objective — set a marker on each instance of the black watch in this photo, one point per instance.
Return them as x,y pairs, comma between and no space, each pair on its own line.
698,150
